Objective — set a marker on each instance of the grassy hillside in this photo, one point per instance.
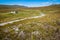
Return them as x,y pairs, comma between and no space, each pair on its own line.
23,12
43,28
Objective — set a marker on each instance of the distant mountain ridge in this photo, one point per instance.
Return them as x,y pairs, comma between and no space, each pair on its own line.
7,8
20,6
11,6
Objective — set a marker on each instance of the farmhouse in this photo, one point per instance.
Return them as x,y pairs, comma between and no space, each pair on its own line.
13,12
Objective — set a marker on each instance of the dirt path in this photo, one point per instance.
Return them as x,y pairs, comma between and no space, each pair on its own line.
2,24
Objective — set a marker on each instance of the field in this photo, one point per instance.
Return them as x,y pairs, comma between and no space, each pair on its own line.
41,28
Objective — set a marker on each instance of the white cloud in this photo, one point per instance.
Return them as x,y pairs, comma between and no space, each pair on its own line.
46,3
39,4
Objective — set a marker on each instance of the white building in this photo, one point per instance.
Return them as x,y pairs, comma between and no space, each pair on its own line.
13,12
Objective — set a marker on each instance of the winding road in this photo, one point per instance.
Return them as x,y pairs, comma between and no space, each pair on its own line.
10,22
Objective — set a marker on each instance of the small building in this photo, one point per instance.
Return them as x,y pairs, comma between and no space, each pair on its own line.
13,12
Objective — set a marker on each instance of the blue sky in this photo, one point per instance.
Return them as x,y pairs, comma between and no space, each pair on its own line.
30,3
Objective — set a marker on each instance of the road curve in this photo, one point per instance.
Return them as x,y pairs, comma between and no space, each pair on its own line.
2,24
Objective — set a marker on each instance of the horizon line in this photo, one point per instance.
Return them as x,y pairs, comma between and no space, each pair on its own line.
30,6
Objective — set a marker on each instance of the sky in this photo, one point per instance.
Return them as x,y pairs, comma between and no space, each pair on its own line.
30,3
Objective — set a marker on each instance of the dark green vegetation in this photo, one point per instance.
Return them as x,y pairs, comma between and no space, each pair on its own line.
44,28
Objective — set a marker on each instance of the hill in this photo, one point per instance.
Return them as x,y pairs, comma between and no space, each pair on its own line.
7,8
46,27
